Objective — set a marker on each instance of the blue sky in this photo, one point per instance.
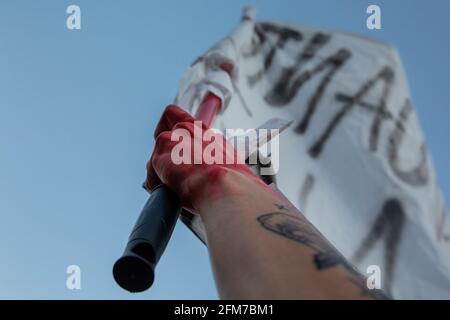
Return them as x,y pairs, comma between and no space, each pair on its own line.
78,108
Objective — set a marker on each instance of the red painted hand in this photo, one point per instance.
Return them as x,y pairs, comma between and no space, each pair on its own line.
206,157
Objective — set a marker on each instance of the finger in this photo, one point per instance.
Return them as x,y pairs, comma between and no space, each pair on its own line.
152,180
161,146
161,159
170,117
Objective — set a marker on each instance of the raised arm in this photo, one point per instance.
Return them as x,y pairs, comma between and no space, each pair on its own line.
260,245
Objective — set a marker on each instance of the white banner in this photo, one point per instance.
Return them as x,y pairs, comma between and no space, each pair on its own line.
354,161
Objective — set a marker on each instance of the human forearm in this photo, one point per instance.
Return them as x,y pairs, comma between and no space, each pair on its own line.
262,247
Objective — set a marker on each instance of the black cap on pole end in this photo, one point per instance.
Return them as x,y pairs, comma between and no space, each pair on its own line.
134,273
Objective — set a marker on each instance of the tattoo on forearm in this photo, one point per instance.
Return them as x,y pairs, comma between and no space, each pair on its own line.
300,230
325,255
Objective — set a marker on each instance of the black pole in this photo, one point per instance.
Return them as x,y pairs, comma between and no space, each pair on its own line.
135,270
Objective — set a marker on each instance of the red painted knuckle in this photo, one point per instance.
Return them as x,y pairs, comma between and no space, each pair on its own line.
189,126
162,142
174,114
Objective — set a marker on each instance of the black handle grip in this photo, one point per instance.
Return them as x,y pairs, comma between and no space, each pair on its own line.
135,270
